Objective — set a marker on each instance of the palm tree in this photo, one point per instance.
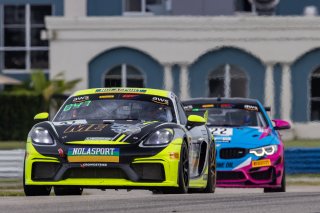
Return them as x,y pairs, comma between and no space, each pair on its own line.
40,85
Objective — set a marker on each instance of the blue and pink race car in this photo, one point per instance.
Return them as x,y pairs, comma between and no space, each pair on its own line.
250,153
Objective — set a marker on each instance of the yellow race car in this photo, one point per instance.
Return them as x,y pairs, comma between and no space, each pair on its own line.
119,138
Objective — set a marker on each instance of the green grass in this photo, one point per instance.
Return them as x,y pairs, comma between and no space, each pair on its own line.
11,187
6,145
11,193
304,176
302,143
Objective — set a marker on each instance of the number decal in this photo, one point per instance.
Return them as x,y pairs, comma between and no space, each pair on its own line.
222,131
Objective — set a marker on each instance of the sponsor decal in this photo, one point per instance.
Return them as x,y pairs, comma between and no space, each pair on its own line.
225,165
106,96
93,155
127,128
98,139
207,105
71,122
226,105
220,165
85,128
222,139
129,96
76,105
81,99
121,90
220,131
251,107
229,165
84,165
188,108
160,100
261,163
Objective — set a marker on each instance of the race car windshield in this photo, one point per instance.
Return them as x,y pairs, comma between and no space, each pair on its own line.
231,117
116,107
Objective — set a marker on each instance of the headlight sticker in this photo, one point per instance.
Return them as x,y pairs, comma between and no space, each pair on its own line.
266,150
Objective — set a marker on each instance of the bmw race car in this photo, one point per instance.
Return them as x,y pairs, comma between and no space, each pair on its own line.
131,138
250,152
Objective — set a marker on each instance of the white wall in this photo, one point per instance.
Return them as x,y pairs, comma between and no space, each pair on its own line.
181,40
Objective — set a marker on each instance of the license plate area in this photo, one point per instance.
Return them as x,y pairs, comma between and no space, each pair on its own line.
261,163
87,154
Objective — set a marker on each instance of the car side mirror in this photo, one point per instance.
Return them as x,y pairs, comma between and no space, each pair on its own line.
196,120
41,116
281,124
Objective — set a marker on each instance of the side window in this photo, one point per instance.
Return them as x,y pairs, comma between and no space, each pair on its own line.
182,114
261,120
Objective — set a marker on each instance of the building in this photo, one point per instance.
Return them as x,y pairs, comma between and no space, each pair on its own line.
156,43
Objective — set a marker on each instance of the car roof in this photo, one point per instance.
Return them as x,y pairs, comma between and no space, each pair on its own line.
221,100
127,90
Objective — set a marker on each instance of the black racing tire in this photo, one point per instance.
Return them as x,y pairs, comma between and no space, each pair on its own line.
67,190
31,190
183,173
212,172
36,190
280,189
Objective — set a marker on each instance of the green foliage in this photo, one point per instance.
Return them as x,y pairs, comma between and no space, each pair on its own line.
19,106
302,143
17,112
39,85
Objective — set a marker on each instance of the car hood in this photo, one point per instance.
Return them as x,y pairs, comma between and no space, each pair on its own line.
246,137
120,131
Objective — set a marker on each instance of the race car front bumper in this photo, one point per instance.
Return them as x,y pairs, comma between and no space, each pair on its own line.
248,176
160,170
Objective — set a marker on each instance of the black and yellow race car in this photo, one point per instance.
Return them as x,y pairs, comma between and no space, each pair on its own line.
120,138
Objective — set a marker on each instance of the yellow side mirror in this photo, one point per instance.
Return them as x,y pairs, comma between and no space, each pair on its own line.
196,120
41,116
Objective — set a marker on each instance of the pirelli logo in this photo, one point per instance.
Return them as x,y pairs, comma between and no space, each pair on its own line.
261,163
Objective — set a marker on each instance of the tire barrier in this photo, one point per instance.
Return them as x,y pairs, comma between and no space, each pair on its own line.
297,161
302,160
11,163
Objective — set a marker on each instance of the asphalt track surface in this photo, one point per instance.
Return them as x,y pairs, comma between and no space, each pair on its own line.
300,199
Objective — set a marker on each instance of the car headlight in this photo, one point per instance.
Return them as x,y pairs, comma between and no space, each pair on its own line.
266,150
159,138
41,136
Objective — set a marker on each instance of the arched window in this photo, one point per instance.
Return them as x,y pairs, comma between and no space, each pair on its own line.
315,95
124,76
228,81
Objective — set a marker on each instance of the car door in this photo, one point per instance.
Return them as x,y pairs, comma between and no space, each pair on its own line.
198,144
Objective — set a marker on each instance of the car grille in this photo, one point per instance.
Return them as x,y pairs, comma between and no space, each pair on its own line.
230,176
263,175
44,171
95,173
149,171
231,153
